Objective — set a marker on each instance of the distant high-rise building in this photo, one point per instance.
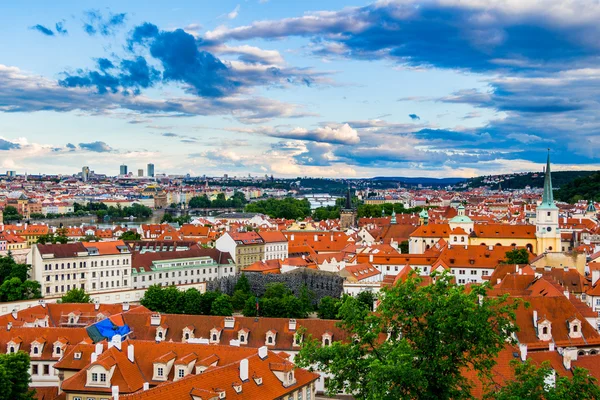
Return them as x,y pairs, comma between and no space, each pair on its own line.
123,170
140,172
11,174
85,174
151,170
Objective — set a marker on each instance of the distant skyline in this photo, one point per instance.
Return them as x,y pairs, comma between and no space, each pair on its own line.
446,88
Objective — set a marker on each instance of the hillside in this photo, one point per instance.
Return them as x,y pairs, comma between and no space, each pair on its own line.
583,188
520,181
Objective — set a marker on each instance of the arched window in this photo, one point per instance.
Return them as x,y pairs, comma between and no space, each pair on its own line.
214,337
550,248
35,350
326,342
160,335
270,340
529,247
545,330
242,338
187,335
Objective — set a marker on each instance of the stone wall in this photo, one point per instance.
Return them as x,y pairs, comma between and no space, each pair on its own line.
322,283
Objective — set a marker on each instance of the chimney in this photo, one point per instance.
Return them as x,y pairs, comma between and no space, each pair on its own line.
229,322
155,319
292,237
96,306
569,354
490,247
535,318
292,324
115,342
316,238
566,269
130,353
244,370
94,357
370,258
551,346
262,352
498,281
115,392
14,313
9,326
126,306
523,349
566,293
43,303
99,348
146,386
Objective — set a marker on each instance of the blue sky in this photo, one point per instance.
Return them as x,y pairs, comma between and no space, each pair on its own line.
317,88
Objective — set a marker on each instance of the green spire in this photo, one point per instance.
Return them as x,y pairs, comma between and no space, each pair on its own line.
393,220
548,196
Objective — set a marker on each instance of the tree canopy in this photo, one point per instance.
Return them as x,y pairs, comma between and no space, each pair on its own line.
532,383
76,296
14,377
279,302
288,208
238,200
131,235
416,344
582,188
14,281
517,256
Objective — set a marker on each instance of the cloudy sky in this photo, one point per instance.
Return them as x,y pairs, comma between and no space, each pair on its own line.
293,88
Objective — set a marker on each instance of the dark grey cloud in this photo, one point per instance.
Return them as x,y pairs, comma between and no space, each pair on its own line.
97,147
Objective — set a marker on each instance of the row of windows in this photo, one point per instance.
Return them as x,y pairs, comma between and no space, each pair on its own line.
35,369
173,274
473,272
83,264
62,288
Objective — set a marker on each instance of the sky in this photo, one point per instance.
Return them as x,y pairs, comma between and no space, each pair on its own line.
329,88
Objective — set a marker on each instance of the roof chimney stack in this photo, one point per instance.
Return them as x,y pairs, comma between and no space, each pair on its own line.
262,352
523,349
130,353
115,392
535,318
146,386
244,370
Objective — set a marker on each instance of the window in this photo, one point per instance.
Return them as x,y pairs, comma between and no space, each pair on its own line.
181,373
159,371
36,350
270,340
545,330
34,369
94,377
102,377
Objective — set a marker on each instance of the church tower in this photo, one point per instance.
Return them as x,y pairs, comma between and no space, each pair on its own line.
348,213
547,232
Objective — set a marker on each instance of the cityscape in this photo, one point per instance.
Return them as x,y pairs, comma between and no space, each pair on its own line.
310,200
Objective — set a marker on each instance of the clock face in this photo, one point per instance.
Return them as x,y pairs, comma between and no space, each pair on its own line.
548,229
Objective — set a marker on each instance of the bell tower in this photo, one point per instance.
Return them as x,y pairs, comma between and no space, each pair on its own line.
547,231
348,213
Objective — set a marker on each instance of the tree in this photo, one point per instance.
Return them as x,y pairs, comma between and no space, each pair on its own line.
191,302
76,296
174,300
11,290
306,297
131,235
153,298
404,247
531,383
31,290
329,308
517,256
222,306
416,344
367,298
14,377
10,213
243,284
206,302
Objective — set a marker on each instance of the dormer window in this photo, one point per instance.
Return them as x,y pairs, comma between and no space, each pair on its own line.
77,356
327,338
574,328
297,340
160,371
544,330
237,388
270,339
257,380
215,335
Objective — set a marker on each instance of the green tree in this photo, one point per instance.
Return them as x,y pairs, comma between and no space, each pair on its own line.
222,306
14,377
243,284
307,298
403,247
31,290
367,298
531,383
206,302
517,256
131,235
329,308
10,213
174,300
200,202
76,296
433,332
239,298
11,290
154,299
192,298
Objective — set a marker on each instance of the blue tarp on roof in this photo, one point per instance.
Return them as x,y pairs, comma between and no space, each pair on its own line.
106,329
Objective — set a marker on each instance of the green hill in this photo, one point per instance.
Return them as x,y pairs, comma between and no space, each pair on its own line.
582,188
521,180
